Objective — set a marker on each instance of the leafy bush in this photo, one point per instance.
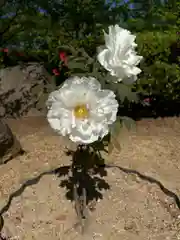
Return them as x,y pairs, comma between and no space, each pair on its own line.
160,68
159,43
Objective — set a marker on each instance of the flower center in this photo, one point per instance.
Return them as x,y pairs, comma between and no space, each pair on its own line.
81,111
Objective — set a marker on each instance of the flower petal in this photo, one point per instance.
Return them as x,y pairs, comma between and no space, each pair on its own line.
119,57
101,106
60,122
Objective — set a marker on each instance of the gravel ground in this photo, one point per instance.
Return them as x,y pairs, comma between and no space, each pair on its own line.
140,204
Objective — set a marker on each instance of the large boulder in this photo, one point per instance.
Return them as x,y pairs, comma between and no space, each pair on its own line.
23,88
9,145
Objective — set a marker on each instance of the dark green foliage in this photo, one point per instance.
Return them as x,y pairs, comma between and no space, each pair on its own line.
76,27
161,75
161,51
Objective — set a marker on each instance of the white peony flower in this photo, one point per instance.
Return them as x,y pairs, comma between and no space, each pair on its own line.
81,110
119,56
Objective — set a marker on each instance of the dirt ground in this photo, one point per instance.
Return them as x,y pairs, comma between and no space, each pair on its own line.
141,203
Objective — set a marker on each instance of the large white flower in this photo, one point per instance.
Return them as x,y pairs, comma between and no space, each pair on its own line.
119,57
82,110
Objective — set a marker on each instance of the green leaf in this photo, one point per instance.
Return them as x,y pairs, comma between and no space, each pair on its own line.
119,132
78,65
125,92
76,59
122,91
111,80
114,136
128,122
116,127
101,145
114,143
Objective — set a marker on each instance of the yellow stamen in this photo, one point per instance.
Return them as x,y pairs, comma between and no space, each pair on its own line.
81,111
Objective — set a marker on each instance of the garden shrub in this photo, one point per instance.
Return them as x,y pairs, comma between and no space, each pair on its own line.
161,66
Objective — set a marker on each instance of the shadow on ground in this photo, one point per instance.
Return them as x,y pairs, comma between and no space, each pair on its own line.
87,171
92,178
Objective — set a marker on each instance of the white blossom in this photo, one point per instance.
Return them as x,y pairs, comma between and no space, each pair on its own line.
82,110
119,56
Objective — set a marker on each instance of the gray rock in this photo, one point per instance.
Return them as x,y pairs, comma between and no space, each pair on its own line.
23,88
9,145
